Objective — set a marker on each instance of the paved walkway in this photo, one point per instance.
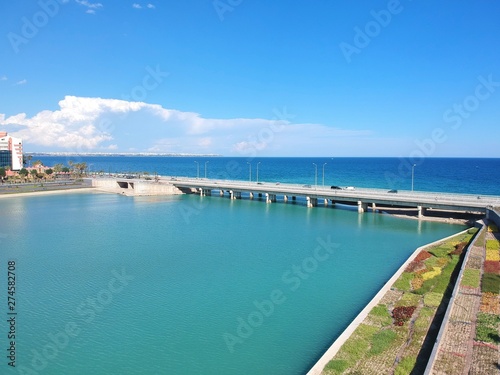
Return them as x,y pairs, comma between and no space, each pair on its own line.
459,352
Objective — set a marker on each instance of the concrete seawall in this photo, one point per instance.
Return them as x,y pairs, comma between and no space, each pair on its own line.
134,187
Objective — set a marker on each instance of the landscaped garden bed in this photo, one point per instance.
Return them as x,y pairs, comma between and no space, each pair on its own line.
391,338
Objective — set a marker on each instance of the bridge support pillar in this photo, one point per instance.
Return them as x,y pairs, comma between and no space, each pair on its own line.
362,207
285,198
269,198
325,202
420,211
251,195
311,202
231,194
374,207
207,192
221,193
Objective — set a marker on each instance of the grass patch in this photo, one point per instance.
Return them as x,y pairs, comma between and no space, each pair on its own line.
492,245
405,366
337,366
381,314
487,328
404,281
490,283
442,250
381,341
432,299
471,278
409,299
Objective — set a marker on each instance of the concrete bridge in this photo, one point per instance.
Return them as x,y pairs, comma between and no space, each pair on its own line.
363,198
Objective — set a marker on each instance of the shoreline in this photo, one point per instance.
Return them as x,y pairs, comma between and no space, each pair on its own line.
48,192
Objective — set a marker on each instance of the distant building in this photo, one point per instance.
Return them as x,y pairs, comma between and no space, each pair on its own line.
11,152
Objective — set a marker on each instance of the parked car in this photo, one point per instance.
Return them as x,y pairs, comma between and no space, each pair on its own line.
336,187
349,188
393,191
306,186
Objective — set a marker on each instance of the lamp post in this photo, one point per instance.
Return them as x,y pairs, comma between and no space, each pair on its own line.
412,174
197,169
258,171
315,175
249,171
206,168
324,174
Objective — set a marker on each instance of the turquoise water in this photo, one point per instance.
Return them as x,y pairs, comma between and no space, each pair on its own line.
160,285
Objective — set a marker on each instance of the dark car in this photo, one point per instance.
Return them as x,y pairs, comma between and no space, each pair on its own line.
393,191
306,186
335,188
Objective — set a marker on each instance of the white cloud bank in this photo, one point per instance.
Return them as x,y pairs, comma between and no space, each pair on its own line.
95,124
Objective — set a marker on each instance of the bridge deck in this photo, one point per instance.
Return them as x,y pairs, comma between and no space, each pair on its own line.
457,202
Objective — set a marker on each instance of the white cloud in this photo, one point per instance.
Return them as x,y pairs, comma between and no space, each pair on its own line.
91,7
21,82
92,124
151,6
3,78
136,6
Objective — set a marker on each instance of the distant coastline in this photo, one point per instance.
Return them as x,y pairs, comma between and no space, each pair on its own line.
132,154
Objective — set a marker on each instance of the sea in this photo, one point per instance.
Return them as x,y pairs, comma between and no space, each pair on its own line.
109,284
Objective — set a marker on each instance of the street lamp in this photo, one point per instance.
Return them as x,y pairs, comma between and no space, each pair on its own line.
412,174
249,171
315,175
206,168
258,171
324,174
197,169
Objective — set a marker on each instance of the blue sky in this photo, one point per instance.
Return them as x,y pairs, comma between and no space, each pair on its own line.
261,78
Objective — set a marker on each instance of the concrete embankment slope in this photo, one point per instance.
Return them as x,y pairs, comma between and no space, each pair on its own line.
134,187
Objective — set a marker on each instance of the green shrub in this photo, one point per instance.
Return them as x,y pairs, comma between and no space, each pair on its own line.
471,278
490,283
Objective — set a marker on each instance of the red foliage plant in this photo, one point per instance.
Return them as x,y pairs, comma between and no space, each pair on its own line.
492,266
423,255
402,314
459,248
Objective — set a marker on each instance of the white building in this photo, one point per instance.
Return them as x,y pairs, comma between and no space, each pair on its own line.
11,152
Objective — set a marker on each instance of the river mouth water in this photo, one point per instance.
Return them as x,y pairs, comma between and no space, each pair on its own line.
167,285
